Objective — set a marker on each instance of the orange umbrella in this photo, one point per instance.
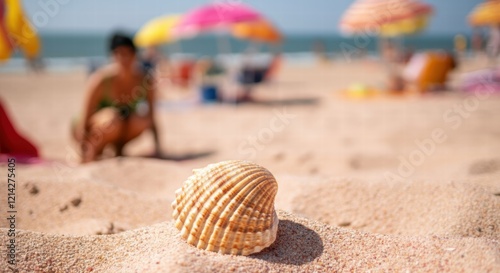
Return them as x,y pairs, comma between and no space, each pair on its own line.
260,31
388,17
484,14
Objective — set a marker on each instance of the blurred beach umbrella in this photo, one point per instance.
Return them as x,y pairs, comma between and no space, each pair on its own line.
6,46
19,32
486,14
404,27
218,17
215,17
158,31
388,18
257,31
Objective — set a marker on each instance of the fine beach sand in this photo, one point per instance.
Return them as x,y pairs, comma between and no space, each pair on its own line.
349,199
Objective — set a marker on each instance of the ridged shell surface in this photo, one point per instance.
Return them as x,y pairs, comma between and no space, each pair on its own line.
228,207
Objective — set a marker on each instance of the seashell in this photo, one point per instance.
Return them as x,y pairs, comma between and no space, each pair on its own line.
228,207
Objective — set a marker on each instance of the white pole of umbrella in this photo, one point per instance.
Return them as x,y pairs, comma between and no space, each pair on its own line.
225,49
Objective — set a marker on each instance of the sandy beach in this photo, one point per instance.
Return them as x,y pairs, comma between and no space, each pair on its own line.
400,184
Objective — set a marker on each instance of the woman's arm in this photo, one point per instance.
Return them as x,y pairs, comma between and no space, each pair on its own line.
151,97
93,96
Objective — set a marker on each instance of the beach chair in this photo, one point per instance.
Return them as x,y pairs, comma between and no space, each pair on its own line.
256,75
429,70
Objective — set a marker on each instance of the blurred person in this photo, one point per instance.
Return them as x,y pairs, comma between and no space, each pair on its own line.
320,51
493,47
119,104
389,51
151,57
183,72
35,64
477,42
460,43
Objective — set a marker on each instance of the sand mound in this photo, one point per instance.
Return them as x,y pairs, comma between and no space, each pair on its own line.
302,246
99,198
410,208
83,207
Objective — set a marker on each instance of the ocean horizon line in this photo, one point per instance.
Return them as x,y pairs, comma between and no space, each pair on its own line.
308,34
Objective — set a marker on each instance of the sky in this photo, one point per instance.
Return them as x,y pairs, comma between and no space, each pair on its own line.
297,16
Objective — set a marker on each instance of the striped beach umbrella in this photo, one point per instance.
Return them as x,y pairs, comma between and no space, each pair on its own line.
388,18
486,14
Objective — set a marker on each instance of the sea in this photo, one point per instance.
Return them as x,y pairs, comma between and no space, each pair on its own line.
69,51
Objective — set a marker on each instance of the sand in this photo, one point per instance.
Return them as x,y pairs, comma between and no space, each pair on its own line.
417,208
302,246
363,185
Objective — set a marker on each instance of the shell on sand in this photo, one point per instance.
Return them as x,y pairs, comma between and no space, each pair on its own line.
228,207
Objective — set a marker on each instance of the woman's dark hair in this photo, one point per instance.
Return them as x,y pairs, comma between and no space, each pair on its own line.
119,39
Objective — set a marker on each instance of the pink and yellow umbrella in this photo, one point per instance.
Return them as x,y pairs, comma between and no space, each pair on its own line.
215,16
389,18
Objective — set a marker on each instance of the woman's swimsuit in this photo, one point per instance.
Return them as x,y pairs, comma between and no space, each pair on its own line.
124,109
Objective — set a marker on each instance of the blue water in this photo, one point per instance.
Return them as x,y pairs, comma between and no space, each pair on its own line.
70,50
85,45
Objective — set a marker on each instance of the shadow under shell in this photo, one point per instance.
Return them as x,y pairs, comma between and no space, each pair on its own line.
295,245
